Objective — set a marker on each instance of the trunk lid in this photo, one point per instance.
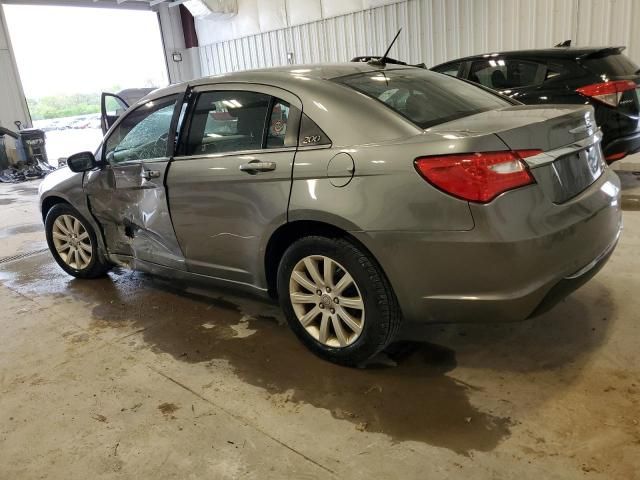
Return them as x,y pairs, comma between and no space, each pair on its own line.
567,136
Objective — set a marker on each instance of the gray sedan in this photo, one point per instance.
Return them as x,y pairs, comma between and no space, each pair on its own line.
359,195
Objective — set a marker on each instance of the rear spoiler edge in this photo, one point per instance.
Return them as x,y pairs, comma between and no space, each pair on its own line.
603,52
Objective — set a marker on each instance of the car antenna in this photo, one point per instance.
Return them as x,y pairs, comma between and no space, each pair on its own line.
382,61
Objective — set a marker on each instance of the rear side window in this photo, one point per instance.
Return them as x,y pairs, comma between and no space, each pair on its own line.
282,130
450,69
423,97
227,121
617,65
500,74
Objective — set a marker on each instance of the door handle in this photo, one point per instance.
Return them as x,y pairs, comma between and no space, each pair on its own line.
256,166
149,174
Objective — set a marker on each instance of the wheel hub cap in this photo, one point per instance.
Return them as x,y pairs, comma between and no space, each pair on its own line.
72,242
327,301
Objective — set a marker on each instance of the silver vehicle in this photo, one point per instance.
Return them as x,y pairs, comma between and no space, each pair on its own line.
360,195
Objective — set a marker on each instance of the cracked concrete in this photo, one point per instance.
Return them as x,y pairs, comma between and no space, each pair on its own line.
133,377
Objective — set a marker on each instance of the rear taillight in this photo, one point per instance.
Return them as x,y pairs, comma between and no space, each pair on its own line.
615,156
477,177
609,93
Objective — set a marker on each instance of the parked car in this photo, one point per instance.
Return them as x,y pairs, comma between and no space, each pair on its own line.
359,195
602,77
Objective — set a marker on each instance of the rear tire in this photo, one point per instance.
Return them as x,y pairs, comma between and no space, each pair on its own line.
337,300
73,242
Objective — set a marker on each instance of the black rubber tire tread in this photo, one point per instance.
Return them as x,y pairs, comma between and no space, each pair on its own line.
383,316
98,266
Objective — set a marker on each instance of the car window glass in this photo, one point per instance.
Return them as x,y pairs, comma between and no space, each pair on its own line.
424,97
143,133
501,74
616,65
114,106
227,121
450,69
278,125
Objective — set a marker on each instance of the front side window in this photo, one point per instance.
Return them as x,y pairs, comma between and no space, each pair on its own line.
227,121
500,74
143,134
425,98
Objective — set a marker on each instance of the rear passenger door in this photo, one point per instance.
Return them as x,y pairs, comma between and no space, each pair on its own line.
229,186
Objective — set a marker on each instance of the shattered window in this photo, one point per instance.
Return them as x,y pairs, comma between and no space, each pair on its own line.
142,134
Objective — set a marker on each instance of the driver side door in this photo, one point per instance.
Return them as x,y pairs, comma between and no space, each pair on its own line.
128,195
112,107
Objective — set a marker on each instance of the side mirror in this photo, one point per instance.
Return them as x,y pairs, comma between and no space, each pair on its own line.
81,162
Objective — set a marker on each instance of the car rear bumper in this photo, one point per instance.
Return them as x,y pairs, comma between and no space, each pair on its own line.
524,253
620,147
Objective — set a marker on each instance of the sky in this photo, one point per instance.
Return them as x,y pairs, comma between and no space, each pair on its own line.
67,50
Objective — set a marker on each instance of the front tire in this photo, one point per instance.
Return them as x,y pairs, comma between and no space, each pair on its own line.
73,242
337,300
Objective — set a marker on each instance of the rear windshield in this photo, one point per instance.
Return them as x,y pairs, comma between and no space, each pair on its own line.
424,97
617,65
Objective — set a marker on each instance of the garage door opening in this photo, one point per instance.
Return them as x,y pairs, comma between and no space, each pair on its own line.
68,56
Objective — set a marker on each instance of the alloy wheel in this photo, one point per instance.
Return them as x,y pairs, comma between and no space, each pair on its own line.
72,242
327,301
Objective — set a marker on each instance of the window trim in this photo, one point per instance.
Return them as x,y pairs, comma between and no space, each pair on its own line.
235,153
114,127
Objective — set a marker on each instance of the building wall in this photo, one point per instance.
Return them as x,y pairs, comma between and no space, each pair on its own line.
188,67
434,31
260,16
13,105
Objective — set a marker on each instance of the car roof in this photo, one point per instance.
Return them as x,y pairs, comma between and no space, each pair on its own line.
553,52
339,110
280,76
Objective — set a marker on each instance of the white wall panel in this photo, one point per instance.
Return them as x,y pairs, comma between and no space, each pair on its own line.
435,31
272,14
610,22
333,8
303,12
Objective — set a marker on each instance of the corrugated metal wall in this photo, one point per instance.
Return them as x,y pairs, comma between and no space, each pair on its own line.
435,31
610,22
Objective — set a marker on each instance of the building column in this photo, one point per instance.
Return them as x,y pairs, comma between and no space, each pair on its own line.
13,105
183,63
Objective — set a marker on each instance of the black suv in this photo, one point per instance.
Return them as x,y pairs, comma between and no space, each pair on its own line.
602,77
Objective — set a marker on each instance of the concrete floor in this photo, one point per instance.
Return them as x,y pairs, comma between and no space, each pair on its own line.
133,377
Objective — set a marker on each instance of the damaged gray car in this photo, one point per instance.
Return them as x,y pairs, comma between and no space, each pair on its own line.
360,195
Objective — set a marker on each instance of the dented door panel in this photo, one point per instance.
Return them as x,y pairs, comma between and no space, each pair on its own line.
130,203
